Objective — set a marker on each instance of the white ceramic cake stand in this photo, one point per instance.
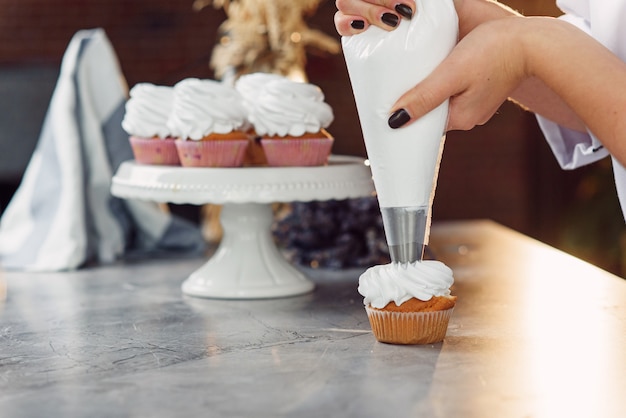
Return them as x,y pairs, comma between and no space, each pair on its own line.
247,264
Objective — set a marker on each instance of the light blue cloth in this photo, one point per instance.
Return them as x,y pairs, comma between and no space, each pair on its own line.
63,214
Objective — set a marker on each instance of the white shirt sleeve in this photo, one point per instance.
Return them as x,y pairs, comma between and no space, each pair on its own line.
572,149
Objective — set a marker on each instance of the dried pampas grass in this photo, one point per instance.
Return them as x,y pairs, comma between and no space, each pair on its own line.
266,36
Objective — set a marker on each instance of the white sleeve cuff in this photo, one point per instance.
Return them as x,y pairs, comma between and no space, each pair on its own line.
572,149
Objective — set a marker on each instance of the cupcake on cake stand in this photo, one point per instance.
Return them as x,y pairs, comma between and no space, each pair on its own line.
247,264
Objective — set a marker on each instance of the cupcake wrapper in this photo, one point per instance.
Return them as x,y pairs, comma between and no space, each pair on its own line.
409,327
227,153
297,152
154,151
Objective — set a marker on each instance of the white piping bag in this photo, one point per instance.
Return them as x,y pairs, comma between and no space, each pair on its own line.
405,161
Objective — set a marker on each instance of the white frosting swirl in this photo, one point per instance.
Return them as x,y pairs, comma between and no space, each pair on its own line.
202,107
147,110
250,86
396,282
280,106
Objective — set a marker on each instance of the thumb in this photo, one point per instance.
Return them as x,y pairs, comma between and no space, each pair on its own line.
421,99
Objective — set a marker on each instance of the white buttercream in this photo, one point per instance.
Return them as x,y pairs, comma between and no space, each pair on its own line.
202,107
147,110
250,86
279,106
382,66
398,283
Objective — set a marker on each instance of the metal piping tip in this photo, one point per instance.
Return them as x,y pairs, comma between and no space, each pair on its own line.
405,230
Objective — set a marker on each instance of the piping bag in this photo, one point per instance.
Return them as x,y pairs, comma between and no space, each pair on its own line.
405,161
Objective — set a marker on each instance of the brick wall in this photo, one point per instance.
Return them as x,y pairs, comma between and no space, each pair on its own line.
156,40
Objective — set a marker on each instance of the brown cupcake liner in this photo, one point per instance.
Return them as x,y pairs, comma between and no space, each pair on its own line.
409,327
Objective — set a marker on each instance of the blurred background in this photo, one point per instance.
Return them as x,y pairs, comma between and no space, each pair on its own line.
502,171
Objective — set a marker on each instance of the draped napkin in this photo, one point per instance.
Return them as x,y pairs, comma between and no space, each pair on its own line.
63,215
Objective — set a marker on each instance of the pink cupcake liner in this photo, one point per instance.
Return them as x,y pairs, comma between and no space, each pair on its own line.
154,151
214,153
297,152
409,327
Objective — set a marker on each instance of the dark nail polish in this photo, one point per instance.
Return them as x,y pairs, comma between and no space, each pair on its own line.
404,10
357,24
390,19
398,118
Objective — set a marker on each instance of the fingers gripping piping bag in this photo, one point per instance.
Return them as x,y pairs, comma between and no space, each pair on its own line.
405,162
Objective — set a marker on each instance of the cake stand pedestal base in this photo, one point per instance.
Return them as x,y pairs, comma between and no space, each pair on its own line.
247,264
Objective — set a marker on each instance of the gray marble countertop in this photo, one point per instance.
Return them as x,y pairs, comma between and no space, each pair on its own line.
536,333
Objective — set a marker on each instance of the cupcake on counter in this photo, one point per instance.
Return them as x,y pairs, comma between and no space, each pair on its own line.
290,117
209,120
145,120
408,303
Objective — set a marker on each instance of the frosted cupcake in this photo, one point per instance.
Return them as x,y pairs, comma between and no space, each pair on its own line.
209,121
408,303
145,120
250,87
290,117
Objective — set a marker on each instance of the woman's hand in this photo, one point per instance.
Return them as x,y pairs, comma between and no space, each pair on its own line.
354,16
480,73
471,75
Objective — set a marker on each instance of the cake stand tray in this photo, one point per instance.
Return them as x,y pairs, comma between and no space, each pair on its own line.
247,264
